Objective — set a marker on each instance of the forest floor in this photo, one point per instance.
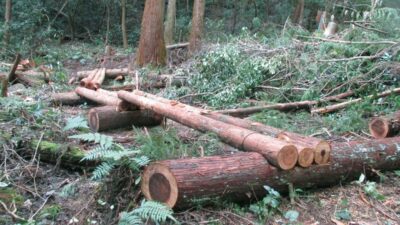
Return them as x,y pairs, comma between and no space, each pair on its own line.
32,190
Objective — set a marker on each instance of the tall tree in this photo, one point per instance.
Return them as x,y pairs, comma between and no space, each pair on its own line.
297,17
196,33
7,22
123,24
151,45
170,22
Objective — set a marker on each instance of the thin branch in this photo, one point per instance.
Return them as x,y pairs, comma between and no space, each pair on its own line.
385,42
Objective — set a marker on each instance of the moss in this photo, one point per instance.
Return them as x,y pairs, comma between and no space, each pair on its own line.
8,195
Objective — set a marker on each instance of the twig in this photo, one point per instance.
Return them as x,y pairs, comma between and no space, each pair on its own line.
40,208
353,42
12,213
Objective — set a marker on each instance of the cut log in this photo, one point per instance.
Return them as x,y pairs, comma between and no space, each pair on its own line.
30,81
108,118
110,73
382,127
242,112
331,29
178,45
102,98
308,147
59,154
277,152
336,107
98,79
178,182
66,98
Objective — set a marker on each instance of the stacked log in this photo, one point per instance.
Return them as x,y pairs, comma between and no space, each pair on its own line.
388,126
307,146
94,79
242,176
103,97
278,153
108,118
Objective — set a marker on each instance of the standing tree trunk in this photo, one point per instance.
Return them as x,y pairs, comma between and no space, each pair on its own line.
151,45
123,24
170,23
197,25
7,23
297,16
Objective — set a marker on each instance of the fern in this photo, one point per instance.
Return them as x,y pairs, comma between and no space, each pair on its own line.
105,141
128,218
103,170
154,211
76,122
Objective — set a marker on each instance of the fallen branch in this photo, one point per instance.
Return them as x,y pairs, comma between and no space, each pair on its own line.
336,107
11,76
354,42
242,112
66,98
179,45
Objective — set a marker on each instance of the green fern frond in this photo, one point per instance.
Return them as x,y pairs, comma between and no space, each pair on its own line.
128,218
102,170
104,140
97,153
386,13
155,211
138,162
76,122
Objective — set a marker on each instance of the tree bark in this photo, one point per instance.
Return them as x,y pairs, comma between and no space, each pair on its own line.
196,32
170,22
102,98
66,98
298,13
243,175
108,118
308,147
123,24
388,126
7,23
11,75
178,182
278,152
63,155
151,45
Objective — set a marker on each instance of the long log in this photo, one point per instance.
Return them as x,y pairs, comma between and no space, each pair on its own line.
308,147
108,118
336,107
277,152
110,73
388,126
66,98
102,98
178,183
242,112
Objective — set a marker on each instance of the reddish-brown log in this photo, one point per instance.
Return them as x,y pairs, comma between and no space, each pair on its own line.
243,175
308,147
388,126
177,182
98,79
85,81
102,98
278,153
66,98
108,118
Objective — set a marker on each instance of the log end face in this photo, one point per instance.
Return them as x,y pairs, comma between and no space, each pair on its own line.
287,157
379,128
159,184
306,157
94,120
322,153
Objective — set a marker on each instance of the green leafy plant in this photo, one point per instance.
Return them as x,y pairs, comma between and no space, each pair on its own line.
268,206
156,212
